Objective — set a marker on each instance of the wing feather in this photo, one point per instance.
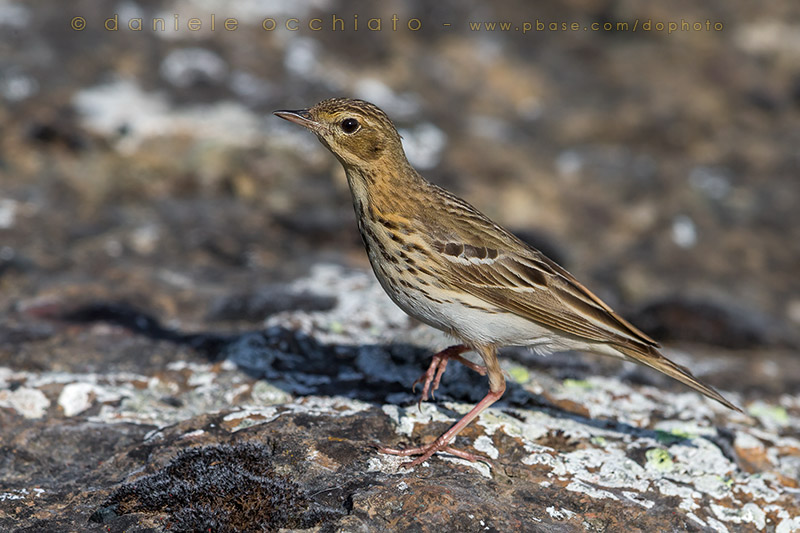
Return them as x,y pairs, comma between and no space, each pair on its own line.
536,288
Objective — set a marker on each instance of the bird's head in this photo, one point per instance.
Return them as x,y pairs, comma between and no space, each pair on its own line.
357,132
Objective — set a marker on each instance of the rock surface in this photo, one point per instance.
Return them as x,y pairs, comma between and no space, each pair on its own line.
281,432
190,339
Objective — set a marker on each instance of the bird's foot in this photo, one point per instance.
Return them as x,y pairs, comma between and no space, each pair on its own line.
442,444
425,453
431,378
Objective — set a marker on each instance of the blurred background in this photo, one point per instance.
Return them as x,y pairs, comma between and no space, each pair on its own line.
659,165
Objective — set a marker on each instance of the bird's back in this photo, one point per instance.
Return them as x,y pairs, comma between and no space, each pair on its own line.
448,265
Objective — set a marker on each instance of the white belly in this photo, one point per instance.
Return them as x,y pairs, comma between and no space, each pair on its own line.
474,321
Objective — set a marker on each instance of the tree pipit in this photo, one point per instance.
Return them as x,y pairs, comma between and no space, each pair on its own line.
449,266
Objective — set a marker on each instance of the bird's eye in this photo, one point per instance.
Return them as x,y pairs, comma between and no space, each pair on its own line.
350,125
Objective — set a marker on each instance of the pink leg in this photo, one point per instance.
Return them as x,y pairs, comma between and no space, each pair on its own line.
433,375
443,442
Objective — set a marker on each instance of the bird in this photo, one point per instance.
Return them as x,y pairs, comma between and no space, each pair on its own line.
448,265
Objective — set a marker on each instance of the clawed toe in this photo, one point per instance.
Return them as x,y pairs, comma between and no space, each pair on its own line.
433,376
426,452
425,380
425,388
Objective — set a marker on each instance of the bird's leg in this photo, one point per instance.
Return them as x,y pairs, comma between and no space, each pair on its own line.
497,386
433,375
443,442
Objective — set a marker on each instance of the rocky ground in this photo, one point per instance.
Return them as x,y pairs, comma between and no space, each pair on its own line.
190,337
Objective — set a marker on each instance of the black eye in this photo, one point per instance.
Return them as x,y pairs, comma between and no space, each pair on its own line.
350,125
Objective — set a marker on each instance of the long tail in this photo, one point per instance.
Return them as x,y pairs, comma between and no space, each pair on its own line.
650,356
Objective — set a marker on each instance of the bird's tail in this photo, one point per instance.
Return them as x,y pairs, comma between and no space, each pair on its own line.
650,356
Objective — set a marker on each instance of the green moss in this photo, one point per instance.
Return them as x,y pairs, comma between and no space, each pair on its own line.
577,384
519,374
659,459
773,412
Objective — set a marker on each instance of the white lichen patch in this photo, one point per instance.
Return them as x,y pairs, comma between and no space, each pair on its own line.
620,473
686,429
406,418
788,525
546,459
716,486
699,457
493,420
559,514
479,466
184,390
389,464
687,494
363,313
606,397
748,513
772,417
249,416
747,441
485,445
589,490
789,466
28,402
760,487
153,403
714,524
236,392
193,434
77,397
21,494
328,405
635,497
263,393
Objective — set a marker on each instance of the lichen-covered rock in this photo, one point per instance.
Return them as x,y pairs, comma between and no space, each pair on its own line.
587,452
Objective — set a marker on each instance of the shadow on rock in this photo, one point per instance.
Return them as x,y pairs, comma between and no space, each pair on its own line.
299,364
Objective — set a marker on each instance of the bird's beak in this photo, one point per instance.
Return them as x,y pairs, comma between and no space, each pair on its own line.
300,116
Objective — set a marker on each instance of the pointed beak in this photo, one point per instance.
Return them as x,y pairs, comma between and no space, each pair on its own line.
300,116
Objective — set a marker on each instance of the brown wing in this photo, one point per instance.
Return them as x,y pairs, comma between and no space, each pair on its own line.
534,287
526,283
